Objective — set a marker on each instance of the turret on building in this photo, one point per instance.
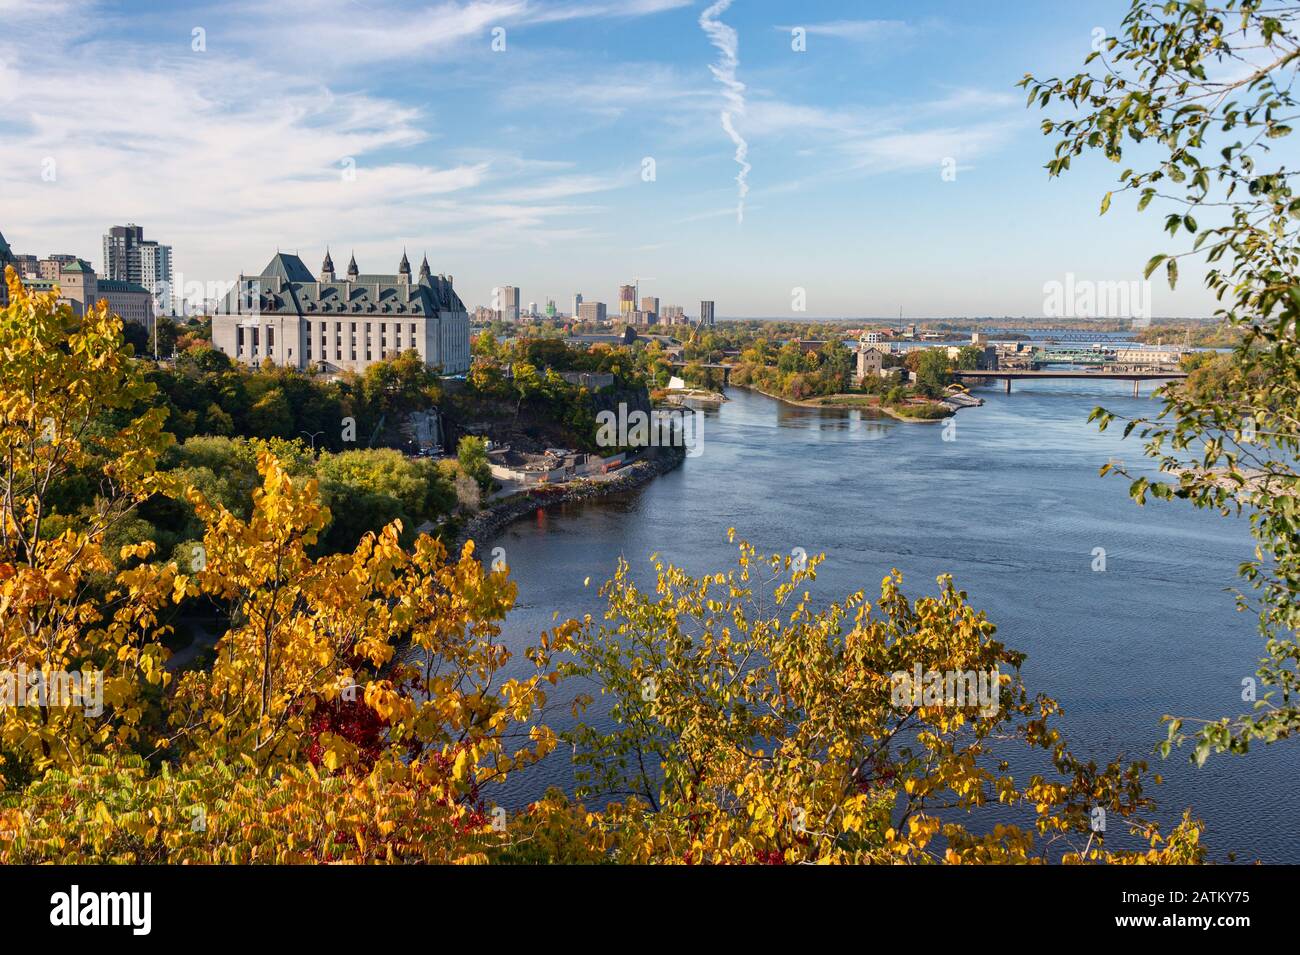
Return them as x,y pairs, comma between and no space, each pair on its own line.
298,321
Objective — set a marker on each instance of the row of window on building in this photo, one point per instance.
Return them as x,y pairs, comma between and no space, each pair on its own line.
253,340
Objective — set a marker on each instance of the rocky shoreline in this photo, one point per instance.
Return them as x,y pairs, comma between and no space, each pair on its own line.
492,520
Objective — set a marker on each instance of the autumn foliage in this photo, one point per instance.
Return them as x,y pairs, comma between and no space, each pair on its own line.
360,706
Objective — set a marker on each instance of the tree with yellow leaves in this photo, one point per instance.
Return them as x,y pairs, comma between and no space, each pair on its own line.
357,707
310,638
307,704
751,727
76,654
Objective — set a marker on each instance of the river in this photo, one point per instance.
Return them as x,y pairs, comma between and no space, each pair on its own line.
1013,508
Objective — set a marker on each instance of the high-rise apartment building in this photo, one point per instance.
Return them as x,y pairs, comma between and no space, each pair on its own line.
156,274
626,300
507,303
78,285
129,257
706,313
122,252
593,312
650,303
577,303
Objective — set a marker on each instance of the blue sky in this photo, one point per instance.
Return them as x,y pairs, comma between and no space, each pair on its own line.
525,165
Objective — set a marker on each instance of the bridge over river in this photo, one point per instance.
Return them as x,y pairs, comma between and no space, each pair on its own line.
1137,377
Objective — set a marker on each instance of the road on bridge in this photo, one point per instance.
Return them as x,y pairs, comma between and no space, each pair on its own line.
1009,374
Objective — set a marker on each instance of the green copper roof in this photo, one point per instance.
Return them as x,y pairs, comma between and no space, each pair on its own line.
288,267
78,265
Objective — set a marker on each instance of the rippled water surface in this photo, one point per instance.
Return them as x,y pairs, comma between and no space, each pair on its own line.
1013,508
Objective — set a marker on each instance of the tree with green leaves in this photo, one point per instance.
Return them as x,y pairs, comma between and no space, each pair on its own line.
1198,97
933,372
471,454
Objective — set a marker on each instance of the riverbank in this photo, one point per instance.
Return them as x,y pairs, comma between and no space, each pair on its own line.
850,402
493,519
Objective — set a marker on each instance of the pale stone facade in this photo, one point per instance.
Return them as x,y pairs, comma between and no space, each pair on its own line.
289,316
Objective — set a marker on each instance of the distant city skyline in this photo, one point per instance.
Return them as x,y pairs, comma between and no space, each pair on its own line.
889,164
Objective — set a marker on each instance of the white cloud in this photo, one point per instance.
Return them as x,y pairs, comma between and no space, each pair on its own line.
13,10
562,187
973,100
927,148
539,13
894,138
622,87
351,32
229,157
855,29
387,32
724,71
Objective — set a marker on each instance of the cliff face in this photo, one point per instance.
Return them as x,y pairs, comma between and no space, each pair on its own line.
535,425
636,399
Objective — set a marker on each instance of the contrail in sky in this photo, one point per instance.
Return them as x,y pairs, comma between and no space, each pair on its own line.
724,38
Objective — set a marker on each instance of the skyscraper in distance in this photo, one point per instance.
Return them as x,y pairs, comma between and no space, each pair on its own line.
156,274
122,252
130,257
508,303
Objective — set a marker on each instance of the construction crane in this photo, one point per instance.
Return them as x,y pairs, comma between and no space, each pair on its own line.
636,284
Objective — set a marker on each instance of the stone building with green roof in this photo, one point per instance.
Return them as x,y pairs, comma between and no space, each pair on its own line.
80,287
336,324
